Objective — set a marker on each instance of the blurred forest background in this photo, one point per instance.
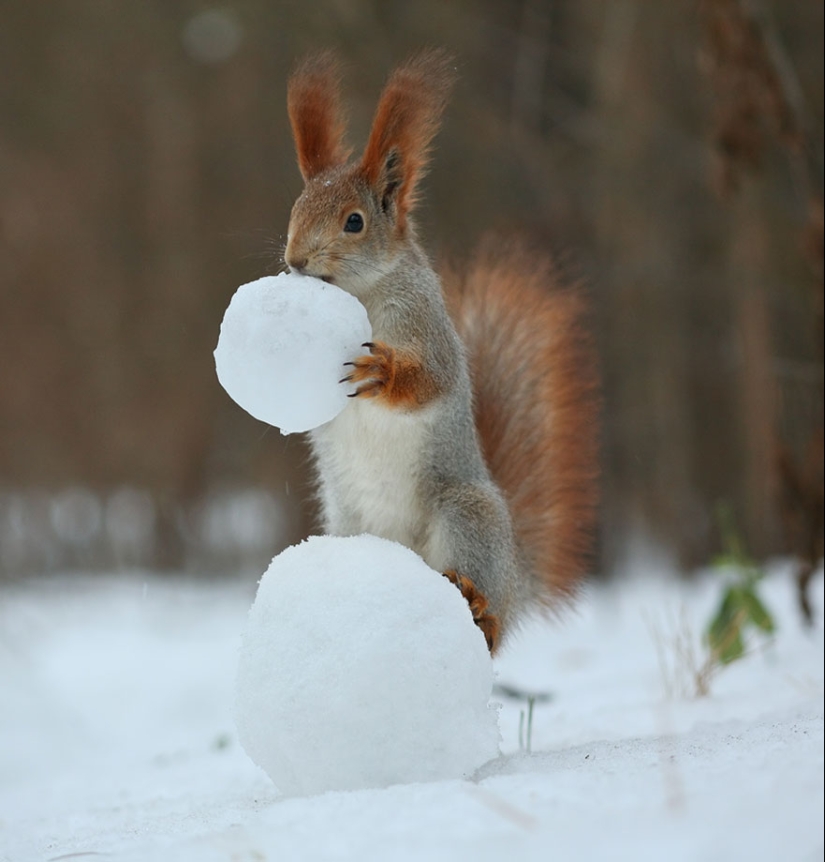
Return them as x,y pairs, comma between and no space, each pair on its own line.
670,154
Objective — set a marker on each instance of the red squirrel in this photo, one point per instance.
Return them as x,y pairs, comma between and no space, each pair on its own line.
472,433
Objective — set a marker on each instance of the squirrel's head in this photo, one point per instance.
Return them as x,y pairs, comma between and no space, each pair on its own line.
351,222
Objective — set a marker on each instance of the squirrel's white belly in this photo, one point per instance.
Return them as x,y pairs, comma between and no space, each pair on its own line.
369,459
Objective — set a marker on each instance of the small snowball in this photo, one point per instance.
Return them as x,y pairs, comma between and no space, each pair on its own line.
282,348
361,667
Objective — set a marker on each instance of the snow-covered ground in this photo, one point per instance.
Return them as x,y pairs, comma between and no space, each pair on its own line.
117,740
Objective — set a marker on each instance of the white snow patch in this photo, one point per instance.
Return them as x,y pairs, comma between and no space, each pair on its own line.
282,348
360,667
117,740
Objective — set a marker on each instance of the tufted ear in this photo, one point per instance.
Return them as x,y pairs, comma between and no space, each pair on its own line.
314,104
406,120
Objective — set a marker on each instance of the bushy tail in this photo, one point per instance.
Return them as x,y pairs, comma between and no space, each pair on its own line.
536,404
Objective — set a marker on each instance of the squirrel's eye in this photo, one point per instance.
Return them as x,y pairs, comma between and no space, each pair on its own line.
355,223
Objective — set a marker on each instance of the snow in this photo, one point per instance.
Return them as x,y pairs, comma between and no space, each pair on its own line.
360,666
282,347
117,739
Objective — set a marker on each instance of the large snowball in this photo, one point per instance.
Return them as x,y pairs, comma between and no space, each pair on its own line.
360,667
282,348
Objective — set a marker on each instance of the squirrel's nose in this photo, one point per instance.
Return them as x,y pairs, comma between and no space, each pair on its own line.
297,264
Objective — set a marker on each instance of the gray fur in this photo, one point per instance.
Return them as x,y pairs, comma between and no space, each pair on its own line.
461,520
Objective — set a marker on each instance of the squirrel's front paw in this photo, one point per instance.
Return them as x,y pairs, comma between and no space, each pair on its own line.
487,622
374,372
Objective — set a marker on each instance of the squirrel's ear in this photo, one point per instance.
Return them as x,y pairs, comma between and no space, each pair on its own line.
314,104
406,120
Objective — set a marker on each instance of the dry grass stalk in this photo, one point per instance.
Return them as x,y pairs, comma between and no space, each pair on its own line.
688,669
749,97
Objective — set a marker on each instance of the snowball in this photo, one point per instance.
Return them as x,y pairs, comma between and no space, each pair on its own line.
360,666
282,348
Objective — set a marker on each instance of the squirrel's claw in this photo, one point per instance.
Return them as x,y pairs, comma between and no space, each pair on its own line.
487,622
374,371
370,390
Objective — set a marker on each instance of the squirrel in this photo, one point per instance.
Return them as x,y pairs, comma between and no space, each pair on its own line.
471,438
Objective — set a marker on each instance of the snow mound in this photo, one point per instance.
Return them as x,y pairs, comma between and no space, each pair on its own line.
360,666
282,348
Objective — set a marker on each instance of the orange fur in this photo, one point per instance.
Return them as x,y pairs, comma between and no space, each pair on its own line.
397,378
406,120
487,622
536,405
314,104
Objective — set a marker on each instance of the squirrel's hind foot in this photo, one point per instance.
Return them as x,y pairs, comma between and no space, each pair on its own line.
487,622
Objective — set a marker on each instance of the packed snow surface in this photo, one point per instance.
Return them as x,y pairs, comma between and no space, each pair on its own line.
117,740
360,666
282,347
